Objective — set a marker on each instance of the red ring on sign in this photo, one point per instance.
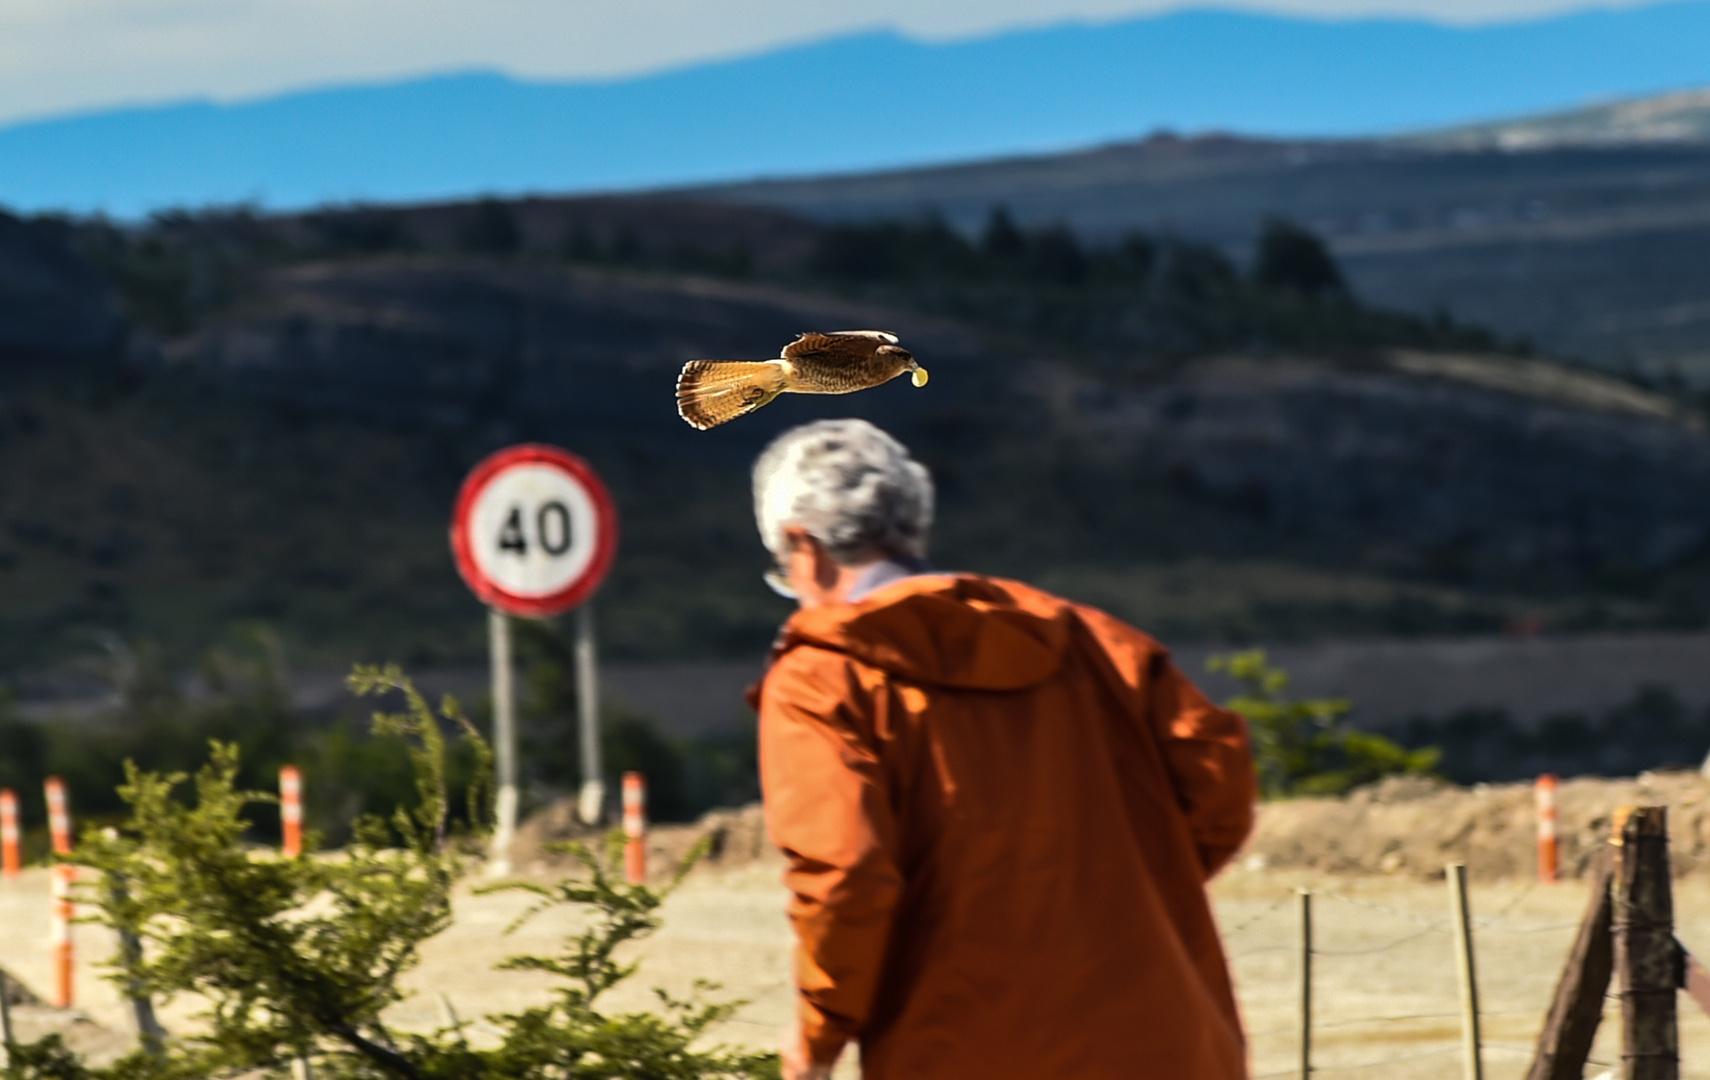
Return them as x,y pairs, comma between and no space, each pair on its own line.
605,536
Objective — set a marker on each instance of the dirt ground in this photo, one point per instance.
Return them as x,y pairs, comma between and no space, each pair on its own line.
1385,1000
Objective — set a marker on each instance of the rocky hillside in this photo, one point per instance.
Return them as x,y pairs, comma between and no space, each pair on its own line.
1416,463
1428,462
456,342
279,433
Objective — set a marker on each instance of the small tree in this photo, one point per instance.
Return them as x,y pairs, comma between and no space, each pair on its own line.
298,958
1295,259
1300,747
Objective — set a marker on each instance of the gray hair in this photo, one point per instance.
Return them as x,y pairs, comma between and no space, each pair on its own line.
850,485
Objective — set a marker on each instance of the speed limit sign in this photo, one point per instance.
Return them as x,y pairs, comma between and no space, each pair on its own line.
534,531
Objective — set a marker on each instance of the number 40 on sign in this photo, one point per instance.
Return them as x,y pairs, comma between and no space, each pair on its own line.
534,531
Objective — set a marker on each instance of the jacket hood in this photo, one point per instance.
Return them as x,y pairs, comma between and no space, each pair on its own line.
961,631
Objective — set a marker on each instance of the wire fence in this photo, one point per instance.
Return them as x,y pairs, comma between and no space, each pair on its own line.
1358,976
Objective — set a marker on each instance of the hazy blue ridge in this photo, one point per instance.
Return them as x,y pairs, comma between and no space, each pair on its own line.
853,103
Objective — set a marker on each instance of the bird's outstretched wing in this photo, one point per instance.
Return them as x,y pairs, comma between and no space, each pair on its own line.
843,346
884,337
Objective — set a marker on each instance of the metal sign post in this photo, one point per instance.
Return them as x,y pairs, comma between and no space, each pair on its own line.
534,532
590,805
504,740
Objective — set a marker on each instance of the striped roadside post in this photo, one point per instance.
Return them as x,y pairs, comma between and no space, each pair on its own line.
635,827
64,874
1547,851
291,810
10,860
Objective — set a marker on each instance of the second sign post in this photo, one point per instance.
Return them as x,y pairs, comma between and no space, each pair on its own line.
534,532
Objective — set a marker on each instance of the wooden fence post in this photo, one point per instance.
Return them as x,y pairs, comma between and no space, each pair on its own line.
1305,984
1564,1044
1460,912
1646,957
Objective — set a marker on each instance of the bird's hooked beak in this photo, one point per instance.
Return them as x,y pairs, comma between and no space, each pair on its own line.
919,378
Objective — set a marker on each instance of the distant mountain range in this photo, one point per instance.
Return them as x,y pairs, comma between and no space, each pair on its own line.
864,102
1665,118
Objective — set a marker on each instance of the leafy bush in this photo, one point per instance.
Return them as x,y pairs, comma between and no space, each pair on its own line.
299,958
1301,747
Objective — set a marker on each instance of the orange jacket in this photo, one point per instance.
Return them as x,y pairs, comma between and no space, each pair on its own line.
1000,810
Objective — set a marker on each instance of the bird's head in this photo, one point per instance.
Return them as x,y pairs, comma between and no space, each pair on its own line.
909,363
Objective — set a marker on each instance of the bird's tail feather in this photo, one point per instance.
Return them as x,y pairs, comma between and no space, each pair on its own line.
710,392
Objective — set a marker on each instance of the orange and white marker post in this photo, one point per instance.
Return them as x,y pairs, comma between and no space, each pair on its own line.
10,861
635,827
64,874
291,809
1547,853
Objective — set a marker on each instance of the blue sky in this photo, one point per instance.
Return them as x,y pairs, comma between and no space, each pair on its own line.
60,57
850,102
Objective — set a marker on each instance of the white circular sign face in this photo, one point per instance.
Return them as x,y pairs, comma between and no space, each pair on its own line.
533,530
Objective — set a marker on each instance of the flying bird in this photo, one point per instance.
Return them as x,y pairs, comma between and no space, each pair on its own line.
710,392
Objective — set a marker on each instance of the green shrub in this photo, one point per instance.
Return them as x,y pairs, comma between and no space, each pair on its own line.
1300,747
299,958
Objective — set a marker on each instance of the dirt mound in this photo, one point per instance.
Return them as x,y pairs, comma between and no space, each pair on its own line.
736,837
1407,826
1413,826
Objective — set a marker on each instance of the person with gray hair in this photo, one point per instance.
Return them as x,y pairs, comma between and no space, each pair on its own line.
999,808
854,490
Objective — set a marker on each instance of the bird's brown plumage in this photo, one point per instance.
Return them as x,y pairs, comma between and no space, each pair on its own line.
710,392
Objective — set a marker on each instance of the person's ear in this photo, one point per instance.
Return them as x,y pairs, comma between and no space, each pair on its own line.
798,540
801,563
814,574
826,572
